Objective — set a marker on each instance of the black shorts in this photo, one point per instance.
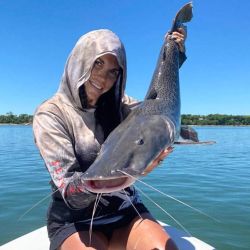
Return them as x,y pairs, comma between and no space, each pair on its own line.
59,231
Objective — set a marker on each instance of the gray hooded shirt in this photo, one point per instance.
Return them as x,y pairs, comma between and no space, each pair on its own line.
68,135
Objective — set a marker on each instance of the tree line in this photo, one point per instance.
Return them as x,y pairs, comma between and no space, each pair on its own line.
10,118
215,119
186,119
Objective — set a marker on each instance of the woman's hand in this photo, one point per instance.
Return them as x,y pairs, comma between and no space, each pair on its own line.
157,161
180,38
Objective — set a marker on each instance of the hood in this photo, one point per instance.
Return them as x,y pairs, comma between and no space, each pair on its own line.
81,59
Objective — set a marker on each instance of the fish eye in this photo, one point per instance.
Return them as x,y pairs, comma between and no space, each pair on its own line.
140,141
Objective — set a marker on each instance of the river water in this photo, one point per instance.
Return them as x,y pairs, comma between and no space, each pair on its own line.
213,178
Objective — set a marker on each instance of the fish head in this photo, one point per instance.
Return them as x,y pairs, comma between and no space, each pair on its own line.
127,153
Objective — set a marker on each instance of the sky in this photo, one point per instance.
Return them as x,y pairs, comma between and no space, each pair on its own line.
36,38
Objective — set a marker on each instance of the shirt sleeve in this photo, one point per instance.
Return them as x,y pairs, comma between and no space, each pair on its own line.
56,148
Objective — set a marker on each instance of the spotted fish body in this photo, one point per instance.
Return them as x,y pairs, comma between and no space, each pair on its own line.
150,128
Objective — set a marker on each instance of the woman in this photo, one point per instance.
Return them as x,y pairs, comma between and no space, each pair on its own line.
69,130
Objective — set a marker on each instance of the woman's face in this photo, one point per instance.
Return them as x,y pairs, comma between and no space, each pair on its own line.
103,76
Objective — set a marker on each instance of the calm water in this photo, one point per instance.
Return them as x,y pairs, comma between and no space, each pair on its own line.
214,178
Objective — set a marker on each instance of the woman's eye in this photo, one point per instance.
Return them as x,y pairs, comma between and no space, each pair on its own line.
98,63
114,73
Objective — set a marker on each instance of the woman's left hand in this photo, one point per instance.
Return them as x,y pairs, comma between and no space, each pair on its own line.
180,38
158,160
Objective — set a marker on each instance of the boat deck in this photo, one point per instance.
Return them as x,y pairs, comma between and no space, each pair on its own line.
38,240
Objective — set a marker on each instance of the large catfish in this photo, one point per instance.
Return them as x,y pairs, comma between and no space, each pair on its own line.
150,128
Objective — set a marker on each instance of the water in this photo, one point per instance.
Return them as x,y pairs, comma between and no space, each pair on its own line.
213,178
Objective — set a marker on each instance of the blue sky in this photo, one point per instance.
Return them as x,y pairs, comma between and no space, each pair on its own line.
37,36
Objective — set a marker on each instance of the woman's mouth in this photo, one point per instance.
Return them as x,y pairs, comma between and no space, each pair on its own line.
95,85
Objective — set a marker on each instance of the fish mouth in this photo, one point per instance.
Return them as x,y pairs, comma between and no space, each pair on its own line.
108,185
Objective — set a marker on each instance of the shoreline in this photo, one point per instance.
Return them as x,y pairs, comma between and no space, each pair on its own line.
15,124
30,124
219,125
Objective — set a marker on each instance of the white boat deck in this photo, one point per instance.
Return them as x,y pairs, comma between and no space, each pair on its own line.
38,240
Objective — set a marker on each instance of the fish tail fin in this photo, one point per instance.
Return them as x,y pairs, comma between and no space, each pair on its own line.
184,15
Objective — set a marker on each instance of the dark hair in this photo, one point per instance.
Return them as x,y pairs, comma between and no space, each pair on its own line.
83,97
108,110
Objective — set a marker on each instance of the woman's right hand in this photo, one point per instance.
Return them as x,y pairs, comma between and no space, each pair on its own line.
158,160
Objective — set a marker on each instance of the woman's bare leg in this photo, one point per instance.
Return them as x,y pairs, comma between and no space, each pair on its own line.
142,234
80,241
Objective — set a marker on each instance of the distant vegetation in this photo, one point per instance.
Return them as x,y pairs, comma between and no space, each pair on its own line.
10,118
215,119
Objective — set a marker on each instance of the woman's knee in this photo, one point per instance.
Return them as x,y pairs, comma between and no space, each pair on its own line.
82,240
152,234
142,234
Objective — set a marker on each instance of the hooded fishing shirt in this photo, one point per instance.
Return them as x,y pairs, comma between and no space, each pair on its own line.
69,136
